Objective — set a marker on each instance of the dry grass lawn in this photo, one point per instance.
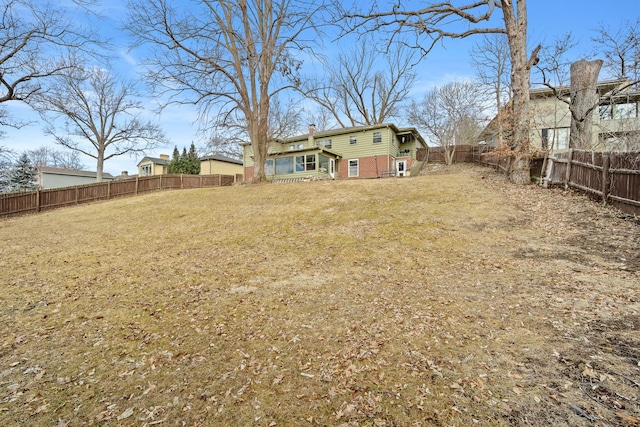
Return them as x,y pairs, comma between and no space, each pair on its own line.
453,298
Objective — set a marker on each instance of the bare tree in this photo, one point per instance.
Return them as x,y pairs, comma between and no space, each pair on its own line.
621,49
450,114
89,111
321,118
554,63
228,58
432,23
37,41
47,156
229,135
491,61
365,86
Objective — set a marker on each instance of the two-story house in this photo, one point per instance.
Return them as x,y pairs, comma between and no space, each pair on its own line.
358,152
150,166
616,125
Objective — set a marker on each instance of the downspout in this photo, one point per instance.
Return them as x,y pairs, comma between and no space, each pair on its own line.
389,146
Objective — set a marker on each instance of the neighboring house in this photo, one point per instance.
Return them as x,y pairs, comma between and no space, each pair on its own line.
150,166
359,152
219,164
616,126
49,177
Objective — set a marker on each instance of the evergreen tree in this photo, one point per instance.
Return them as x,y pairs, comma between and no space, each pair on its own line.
5,170
186,163
193,161
23,175
174,165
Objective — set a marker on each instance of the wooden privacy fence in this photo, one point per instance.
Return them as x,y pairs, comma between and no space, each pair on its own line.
614,178
40,200
463,153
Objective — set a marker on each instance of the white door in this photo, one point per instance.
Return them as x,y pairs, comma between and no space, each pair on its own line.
332,168
401,167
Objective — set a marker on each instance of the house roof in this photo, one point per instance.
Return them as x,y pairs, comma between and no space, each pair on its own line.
221,158
603,87
342,131
155,160
71,172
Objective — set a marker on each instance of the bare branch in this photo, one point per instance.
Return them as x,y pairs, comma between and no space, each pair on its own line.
227,58
93,106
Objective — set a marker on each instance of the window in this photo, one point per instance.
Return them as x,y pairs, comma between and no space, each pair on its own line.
606,112
326,143
268,167
353,139
323,162
145,170
353,167
559,138
292,147
284,165
377,137
545,138
627,111
306,163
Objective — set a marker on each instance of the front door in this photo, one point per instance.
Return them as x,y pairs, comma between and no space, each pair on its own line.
401,167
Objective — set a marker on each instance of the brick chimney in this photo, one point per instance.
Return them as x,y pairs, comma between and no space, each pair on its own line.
164,156
125,173
312,132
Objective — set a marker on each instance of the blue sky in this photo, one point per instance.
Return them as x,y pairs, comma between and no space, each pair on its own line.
548,20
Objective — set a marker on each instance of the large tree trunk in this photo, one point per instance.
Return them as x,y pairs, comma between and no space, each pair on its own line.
100,166
516,28
584,99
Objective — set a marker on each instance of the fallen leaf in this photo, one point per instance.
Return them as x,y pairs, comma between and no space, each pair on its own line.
126,414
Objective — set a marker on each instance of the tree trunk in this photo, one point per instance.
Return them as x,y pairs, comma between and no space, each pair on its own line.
584,99
516,27
100,166
449,154
258,133
519,170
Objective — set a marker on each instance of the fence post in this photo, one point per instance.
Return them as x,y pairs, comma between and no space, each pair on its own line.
137,184
567,176
181,183
77,195
200,181
160,184
108,190
38,200
606,161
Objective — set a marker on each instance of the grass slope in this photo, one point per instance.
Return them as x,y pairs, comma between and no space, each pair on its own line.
446,299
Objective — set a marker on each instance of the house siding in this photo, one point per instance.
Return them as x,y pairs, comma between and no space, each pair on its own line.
211,167
549,113
52,180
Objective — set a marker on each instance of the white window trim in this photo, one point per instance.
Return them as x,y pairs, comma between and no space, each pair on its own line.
349,168
377,135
